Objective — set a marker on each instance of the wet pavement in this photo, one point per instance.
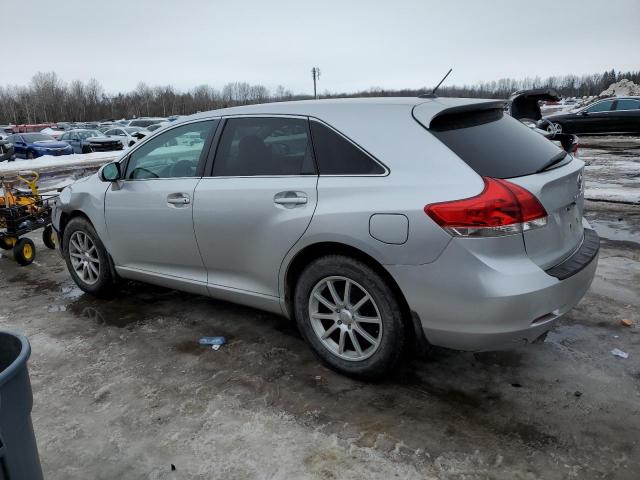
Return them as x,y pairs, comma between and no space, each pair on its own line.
123,389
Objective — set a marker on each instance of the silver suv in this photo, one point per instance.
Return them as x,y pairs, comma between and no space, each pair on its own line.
375,223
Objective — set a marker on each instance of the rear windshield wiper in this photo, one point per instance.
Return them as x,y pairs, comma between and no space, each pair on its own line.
555,160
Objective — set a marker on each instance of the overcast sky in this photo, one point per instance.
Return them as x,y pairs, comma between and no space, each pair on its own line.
356,44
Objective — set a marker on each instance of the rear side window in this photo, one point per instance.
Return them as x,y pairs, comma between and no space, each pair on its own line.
628,104
338,156
494,144
255,146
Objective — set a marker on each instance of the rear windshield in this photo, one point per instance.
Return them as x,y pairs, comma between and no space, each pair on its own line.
494,144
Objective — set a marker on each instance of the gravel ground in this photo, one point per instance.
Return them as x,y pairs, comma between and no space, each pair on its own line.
123,390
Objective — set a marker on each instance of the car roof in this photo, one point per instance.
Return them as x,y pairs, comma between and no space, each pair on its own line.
328,109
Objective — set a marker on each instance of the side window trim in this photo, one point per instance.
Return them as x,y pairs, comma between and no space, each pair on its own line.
610,109
636,102
201,161
214,149
355,144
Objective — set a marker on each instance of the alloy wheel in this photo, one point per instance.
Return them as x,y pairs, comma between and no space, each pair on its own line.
345,318
84,257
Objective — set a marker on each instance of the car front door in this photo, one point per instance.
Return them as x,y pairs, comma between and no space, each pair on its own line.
19,145
149,213
256,203
596,119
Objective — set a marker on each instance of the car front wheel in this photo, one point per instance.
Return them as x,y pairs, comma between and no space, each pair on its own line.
350,317
87,259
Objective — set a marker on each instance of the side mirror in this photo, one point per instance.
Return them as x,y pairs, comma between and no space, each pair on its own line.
110,172
584,113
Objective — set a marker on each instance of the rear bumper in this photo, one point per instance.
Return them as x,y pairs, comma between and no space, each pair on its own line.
472,299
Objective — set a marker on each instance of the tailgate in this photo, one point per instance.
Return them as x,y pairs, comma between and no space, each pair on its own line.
561,193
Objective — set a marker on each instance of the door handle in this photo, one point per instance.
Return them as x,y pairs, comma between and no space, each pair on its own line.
290,199
178,199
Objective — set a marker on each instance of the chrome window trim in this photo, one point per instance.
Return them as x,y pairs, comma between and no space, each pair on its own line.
386,169
124,161
265,115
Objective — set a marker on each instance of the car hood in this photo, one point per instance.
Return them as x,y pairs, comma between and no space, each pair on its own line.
50,144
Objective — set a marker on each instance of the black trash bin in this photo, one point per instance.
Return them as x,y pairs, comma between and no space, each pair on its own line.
18,450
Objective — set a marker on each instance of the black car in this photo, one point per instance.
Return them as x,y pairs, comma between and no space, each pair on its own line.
610,115
6,151
86,141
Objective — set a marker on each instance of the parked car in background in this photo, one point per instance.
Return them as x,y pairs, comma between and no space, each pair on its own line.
7,151
87,141
5,131
33,145
156,126
524,105
127,135
55,133
611,115
445,221
145,122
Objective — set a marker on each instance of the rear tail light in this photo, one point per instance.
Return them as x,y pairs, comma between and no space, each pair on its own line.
503,208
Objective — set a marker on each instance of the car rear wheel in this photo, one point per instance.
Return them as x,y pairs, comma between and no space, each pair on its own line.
350,317
87,259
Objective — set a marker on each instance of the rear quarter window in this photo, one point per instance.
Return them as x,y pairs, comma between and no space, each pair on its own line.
494,144
336,155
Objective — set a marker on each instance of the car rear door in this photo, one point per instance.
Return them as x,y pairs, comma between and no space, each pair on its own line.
256,203
149,214
626,115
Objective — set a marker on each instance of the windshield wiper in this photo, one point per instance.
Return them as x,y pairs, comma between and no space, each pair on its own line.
554,161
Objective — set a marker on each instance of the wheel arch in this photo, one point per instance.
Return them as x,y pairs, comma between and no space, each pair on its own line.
316,250
65,218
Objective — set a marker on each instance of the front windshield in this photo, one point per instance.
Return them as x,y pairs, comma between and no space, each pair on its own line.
133,129
36,137
90,133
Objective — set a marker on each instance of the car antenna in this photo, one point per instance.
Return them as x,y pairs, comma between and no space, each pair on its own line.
433,92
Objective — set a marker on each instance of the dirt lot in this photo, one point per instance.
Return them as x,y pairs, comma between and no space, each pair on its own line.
123,390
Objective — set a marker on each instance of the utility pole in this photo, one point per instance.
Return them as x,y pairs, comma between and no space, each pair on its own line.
315,73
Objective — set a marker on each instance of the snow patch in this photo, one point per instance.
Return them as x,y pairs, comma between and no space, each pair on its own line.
623,88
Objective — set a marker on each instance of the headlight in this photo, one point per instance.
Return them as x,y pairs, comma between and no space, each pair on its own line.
9,145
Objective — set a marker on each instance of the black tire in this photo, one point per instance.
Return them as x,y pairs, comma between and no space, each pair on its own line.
24,251
6,244
105,282
30,155
392,341
49,237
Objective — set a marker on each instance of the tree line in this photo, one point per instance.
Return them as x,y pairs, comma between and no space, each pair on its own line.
49,99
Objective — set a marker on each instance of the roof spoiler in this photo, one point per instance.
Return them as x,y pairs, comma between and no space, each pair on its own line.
458,112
